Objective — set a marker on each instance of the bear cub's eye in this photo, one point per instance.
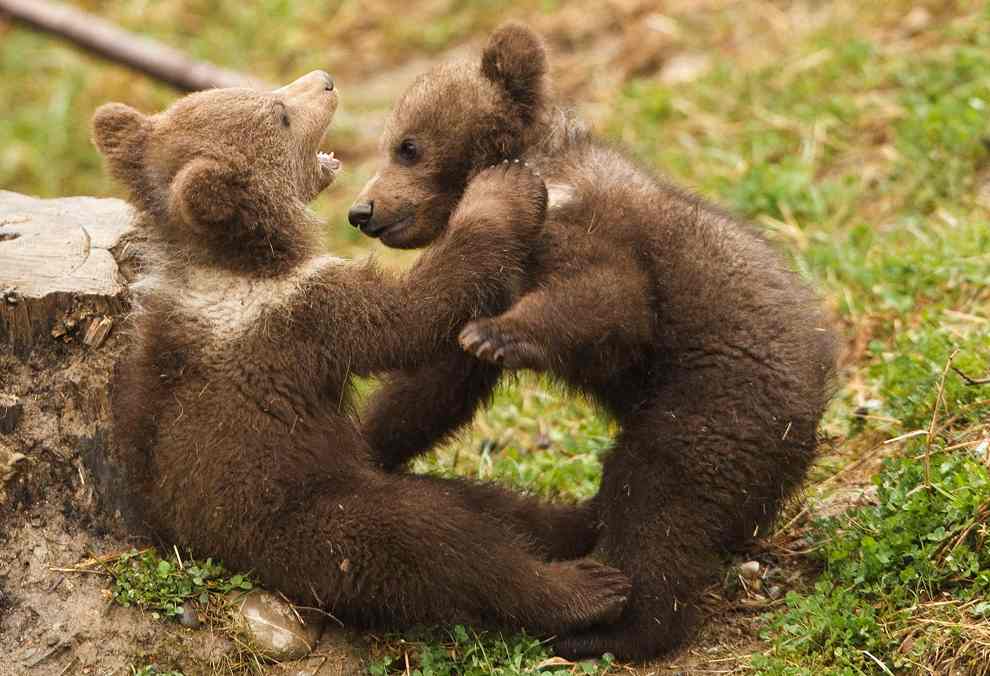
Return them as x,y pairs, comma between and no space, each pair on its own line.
408,152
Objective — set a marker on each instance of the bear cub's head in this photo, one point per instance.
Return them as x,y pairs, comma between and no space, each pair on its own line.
452,122
227,174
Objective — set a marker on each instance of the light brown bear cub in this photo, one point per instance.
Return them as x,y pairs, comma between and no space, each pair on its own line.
679,320
234,401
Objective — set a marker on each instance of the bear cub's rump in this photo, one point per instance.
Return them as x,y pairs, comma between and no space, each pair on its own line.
233,401
679,320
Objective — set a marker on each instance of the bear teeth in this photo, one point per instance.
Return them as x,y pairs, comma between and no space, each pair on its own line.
328,160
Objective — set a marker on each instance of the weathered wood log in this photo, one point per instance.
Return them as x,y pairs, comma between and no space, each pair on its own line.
111,42
58,275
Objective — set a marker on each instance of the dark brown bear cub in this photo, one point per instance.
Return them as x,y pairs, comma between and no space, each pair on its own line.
234,400
679,320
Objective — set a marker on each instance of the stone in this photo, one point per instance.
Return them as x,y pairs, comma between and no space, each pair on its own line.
842,500
190,616
10,463
917,20
273,627
750,570
682,68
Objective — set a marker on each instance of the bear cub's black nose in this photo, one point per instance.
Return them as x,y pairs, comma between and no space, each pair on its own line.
360,214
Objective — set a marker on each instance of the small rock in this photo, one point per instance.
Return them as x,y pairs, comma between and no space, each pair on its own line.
10,464
272,626
190,616
917,20
750,570
684,68
775,592
543,441
842,500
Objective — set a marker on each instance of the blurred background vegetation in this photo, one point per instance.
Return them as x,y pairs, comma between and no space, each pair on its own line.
854,134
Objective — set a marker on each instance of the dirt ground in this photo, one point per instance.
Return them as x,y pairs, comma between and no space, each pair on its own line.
53,518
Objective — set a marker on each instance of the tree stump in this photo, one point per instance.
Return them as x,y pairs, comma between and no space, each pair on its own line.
58,274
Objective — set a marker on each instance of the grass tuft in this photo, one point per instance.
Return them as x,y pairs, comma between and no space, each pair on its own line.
162,586
461,651
896,575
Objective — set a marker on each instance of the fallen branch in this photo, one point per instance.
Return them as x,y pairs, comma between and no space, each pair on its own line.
111,42
970,380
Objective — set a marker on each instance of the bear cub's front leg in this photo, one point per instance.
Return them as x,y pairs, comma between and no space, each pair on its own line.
495,340
507,188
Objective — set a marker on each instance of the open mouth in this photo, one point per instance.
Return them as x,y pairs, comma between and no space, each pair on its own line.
388,229
328,161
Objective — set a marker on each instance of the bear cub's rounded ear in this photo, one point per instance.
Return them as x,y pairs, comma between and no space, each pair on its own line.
117,128
516,59
204,194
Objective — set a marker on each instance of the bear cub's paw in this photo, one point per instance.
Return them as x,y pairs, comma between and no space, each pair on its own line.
494,340
510,190
591,593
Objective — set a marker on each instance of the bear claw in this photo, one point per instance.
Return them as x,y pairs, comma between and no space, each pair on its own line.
594,593
487,341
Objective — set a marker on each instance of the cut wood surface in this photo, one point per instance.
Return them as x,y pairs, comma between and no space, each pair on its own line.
58,276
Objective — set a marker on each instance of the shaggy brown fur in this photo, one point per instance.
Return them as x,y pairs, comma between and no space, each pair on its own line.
678,319
235,396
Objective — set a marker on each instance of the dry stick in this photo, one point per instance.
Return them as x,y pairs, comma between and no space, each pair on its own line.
111,42
931,426
972,381
66,669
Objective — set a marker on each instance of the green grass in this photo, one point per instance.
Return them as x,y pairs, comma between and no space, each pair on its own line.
860,147
534,437
152,670
163,585
893,572
461,651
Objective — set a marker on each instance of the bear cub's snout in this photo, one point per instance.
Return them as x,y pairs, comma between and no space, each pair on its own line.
360,214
